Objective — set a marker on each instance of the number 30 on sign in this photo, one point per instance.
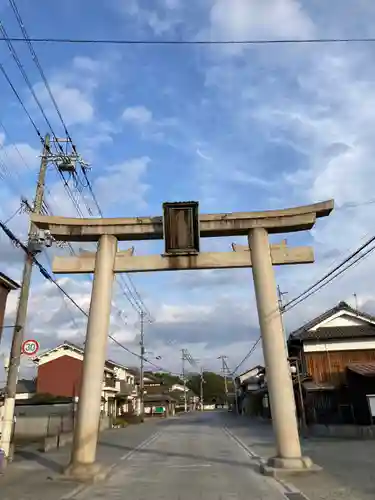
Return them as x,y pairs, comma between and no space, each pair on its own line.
30,347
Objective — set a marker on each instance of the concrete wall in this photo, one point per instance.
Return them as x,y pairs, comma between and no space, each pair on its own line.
43,420
48,425
343,431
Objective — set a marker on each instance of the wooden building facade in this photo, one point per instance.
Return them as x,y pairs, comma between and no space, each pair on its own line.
324,349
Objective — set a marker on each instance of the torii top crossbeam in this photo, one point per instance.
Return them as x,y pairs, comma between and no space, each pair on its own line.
211,225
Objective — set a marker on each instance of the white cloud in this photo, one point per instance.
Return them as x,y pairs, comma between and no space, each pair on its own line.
18,157
122,184
162,17
240,19
76,104
256,19
87,64
138,115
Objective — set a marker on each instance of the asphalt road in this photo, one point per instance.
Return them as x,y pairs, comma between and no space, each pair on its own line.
192,457
348,464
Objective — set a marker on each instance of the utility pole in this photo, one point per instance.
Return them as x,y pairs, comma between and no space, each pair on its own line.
183,356
224,368
201,391
280,295
355,301
235,393
18,333
141,374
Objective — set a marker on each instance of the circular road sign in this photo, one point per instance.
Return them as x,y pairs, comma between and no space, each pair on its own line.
30,347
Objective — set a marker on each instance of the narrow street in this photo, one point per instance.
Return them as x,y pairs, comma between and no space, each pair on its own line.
192,457
198,455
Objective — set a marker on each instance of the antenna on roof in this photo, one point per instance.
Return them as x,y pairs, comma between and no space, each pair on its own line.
355,301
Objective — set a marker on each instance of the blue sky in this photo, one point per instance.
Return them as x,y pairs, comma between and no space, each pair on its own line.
237,128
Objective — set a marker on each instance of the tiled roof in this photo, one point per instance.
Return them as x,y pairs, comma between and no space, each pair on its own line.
8,283
338,332
341,306
156,398
260,368
23,387
366,369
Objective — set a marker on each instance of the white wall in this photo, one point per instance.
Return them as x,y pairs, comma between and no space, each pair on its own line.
339,345
58,354
343,318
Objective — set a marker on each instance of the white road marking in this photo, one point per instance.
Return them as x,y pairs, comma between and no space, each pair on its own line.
189,466
144,443
281,484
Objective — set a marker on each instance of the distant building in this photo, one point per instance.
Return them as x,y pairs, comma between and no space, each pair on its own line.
60,374
249,391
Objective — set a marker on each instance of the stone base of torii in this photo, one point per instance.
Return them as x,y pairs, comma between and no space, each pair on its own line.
259,255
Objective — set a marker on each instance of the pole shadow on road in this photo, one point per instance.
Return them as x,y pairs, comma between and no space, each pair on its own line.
144,451
47,463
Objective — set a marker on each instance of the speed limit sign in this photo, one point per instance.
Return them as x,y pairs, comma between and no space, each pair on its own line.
30,347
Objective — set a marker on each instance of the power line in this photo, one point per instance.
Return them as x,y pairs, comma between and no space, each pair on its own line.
253,347
25,77
330,273
133,297
36,60
113,41
321,283
359,258
47,275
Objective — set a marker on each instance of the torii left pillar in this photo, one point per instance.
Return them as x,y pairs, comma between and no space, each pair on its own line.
83,465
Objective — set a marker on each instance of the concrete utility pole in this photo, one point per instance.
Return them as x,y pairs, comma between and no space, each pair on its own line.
224,368
19,329
183,356
141,371
201,391
280,295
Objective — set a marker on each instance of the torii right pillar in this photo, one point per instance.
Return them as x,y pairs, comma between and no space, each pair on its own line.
279,380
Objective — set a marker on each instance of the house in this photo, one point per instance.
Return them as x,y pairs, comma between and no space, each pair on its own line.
6,285
249,391
162,405
179,387
326,352
60,374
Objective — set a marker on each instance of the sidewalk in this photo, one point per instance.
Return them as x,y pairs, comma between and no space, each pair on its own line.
34,475
348,465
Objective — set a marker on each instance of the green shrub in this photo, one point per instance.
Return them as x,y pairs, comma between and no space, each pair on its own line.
120,422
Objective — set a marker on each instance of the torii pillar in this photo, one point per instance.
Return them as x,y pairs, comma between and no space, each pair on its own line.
261,257
279,380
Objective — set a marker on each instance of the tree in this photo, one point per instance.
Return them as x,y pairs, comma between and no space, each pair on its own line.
167,378
213,388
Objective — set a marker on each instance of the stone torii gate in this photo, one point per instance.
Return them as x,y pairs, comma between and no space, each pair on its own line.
181,227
